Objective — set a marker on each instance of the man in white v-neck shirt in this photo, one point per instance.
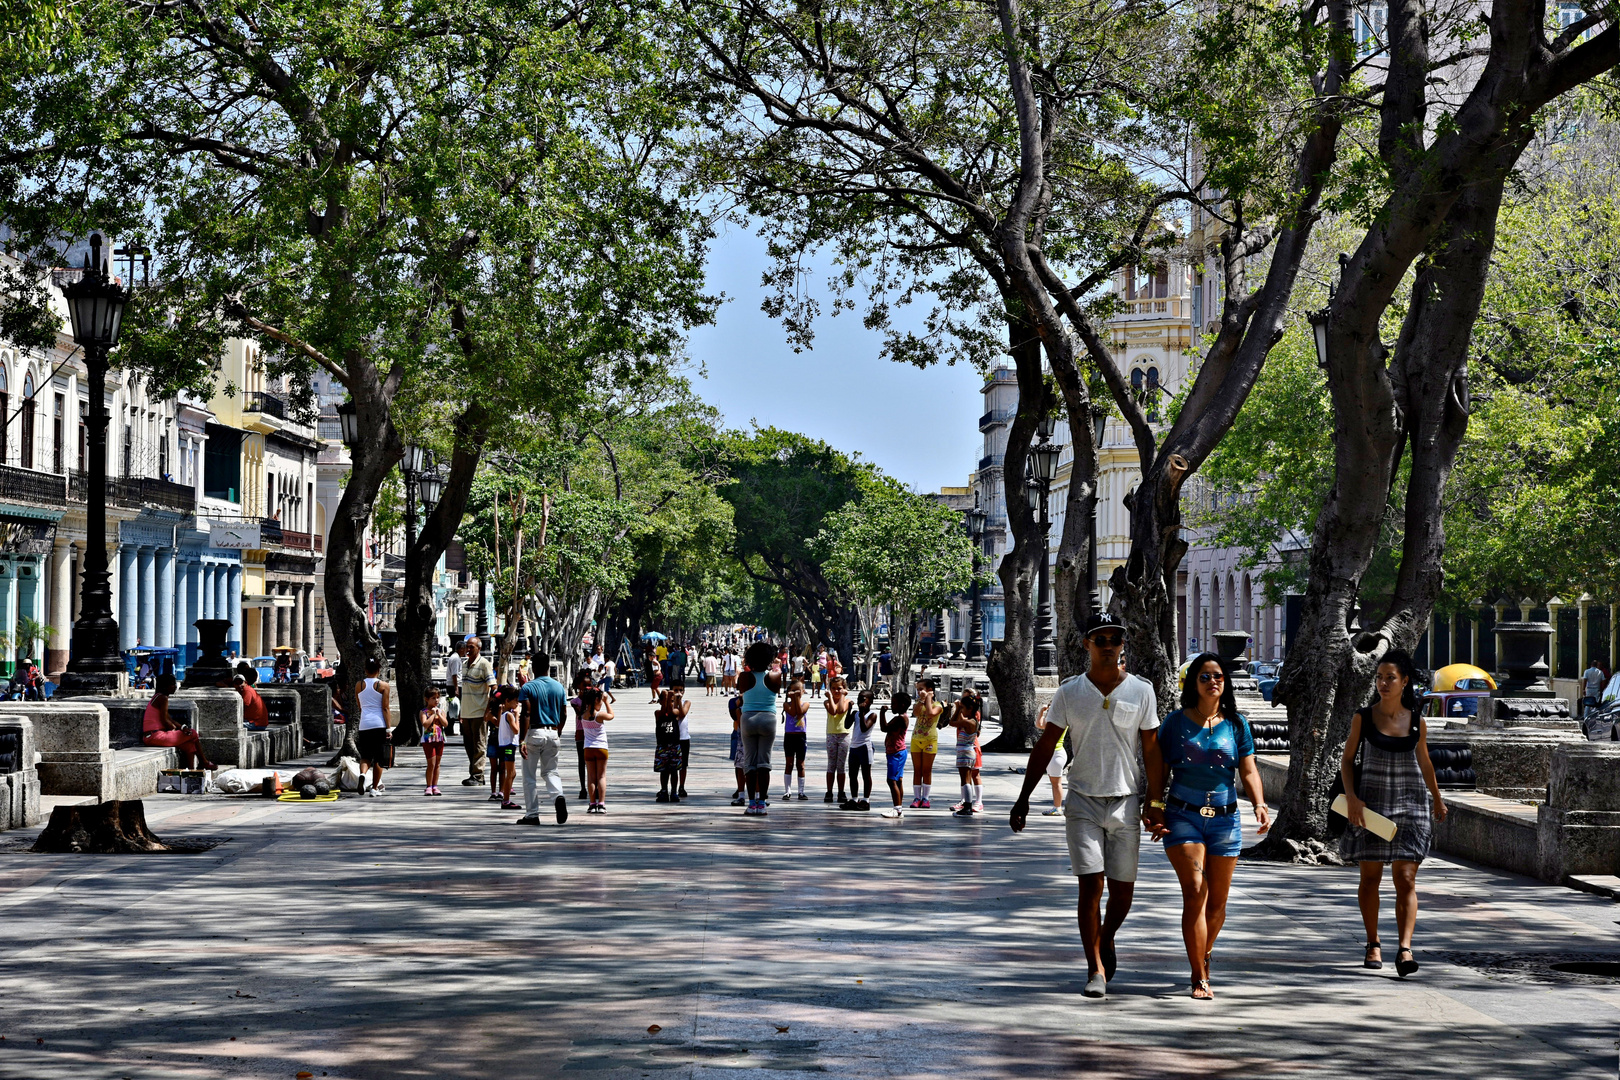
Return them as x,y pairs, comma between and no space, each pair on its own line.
1110,716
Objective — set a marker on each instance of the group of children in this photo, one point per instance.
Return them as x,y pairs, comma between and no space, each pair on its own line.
854,729
852,733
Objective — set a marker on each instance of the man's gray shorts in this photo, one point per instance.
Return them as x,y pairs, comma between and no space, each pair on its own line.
1105,835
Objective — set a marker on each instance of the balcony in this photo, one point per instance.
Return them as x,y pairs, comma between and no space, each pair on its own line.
300,541
262,401
136,491
28,486
995,418
990,461
1163,307
271,532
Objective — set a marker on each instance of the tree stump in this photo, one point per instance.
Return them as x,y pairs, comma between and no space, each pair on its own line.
116,827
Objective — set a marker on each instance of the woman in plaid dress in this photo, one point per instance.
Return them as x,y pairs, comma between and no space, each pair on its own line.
1397,781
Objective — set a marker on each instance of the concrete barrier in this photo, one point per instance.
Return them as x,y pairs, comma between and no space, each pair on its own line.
72,740
219,724
315,713
19,780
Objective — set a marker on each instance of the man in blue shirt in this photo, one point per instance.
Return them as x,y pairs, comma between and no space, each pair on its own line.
544,709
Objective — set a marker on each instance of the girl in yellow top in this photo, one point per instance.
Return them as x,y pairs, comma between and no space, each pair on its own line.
838,705
924,741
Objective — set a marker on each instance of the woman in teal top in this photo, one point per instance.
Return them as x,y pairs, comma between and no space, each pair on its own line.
1206,744
760,682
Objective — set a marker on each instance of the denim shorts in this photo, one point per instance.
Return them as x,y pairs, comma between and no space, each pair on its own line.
1220,835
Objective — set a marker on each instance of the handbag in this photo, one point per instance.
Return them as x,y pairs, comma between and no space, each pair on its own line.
1335,823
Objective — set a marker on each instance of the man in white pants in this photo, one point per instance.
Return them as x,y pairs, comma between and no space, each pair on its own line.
1107,714
545,707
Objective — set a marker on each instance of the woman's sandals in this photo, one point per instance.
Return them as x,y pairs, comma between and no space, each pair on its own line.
1406,967
1374,962
1201,990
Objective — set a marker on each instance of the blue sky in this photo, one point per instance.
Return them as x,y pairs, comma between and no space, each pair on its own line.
920,427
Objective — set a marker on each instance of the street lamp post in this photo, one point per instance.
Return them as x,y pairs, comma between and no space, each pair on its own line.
349,425
96,307
1043,458
976,521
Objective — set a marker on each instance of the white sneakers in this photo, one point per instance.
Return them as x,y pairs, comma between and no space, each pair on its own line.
1096,986
891,812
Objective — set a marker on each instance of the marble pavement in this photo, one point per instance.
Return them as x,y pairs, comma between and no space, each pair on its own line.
407,937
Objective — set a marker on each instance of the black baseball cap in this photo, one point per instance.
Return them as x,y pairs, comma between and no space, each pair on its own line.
1103,620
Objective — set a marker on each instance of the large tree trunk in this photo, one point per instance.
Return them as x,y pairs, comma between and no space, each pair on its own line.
415,620
1426,410
1011,667
1071,595
903,634
370,461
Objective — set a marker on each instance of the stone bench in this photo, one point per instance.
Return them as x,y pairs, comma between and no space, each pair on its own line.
19,780
74,756
125,718
315,714
219,725
136,769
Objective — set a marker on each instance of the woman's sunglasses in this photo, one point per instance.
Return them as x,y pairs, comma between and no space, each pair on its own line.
1211,676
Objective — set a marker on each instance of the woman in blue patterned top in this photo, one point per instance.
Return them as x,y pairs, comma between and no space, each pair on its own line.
1206,745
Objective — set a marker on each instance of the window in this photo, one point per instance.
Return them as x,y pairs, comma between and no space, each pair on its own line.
163,453
222,464
129,447
1198,303
58,432
1161,282
28,422
5,417
1368,29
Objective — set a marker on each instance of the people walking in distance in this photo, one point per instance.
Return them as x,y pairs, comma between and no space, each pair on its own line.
433,724
1592,680
1055,767
816,672
477,679
759,684
711,674
795,738
894,747
739,759
964,715
1111,717
838,705
545,710
511,726
1206,746
596,712
372,738
452,680
667,745
925,714
159,729
861,720
610,671
655,676
728,671
1396,779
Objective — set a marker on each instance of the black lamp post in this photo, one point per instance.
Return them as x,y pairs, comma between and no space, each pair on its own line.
976,522
1043,458
96,307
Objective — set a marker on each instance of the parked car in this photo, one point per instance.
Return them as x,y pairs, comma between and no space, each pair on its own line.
265,666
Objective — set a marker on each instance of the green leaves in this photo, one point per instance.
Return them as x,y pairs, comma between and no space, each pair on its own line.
894,546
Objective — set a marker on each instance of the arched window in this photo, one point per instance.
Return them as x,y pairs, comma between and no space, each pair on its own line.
1137,378
5,414
26,441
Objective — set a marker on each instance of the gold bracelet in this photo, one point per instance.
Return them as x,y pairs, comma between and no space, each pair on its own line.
1156,804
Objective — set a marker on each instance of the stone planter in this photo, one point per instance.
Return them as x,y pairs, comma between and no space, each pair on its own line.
1522,649
210,665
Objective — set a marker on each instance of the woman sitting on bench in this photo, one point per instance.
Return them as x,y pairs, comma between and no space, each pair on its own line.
157,729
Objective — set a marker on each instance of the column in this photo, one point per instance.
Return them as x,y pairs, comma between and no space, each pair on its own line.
148,580
283,616
129,598
205,595
233,599
222,600
296,616
61,607
308,642
182,607
165,599
1473,635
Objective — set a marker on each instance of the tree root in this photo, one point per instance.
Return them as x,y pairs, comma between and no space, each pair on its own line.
1278,848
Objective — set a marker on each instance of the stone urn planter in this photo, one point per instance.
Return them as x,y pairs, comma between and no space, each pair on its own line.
210,665
1522,650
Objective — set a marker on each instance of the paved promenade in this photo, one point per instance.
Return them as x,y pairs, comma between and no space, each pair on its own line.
412,937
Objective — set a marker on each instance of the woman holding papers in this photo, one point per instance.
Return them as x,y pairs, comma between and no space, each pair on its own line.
1396,781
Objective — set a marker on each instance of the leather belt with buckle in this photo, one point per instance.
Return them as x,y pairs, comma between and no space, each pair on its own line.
1202,811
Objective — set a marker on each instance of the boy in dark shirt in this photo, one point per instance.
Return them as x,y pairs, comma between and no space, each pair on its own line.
667,752
894,746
